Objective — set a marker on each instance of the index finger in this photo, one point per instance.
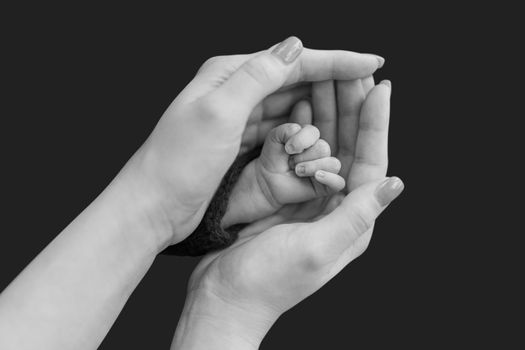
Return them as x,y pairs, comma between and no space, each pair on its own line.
320,65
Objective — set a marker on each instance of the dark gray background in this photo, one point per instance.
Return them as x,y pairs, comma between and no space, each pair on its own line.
84,86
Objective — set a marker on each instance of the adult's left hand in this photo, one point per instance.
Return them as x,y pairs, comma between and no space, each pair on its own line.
229,106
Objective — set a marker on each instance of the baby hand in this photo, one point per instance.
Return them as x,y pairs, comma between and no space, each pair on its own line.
295,166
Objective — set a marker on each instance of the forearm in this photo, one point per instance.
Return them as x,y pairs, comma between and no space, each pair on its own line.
71,293
208,322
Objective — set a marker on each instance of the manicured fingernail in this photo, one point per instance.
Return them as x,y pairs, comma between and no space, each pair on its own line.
388,190
289,49
380,61
300,169
320,174
387,83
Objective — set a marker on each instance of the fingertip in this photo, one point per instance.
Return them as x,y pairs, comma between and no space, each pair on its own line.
389,190
300,170
289,49
338,185
387,83
333,181
380,61
338,164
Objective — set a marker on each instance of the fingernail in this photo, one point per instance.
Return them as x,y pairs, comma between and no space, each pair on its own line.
320,174
295,128
388,190
289,148
387,83
289,49
300,169
380,61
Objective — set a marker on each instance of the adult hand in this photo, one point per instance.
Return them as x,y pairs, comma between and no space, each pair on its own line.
70,294
243,289
232,102
336,109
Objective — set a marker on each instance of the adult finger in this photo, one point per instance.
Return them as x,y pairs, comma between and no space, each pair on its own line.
302,113
287,63
325,111
350,97
368,84
371,153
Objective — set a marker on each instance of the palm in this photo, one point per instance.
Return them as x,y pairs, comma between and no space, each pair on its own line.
273,249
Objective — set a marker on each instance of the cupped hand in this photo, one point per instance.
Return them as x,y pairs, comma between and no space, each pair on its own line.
228,107
279,261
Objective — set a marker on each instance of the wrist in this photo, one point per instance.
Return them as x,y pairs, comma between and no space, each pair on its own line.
139,205
248,202
239,200
210,322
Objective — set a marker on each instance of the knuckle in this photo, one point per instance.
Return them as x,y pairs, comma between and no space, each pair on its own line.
212,61
273,135
260,70
290,127
323,148
362,245
210,109
312,129
283,132
359,223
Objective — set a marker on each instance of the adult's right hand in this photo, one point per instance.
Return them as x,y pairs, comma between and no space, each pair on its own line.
229,106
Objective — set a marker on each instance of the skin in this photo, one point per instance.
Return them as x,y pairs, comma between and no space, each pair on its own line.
235,295
268,183
71,293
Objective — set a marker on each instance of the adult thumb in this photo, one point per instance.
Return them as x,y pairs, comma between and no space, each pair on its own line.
260,75
356,214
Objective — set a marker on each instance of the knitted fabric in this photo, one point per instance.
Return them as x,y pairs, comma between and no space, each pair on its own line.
209,235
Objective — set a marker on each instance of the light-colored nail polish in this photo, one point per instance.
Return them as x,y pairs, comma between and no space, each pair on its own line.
386,82
289,49
300,169
380,61
388,190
